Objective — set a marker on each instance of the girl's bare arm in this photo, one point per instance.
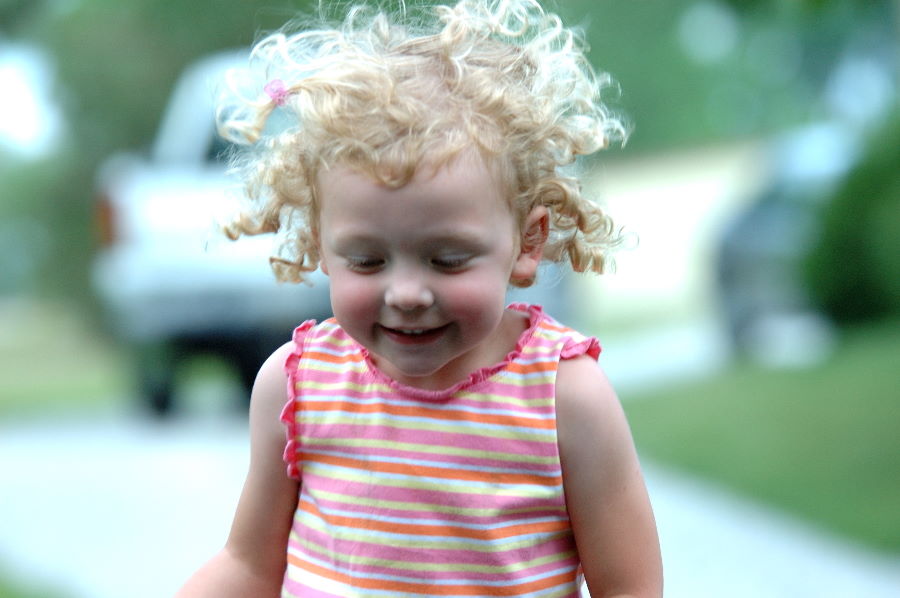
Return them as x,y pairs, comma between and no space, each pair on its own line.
252,563
608,505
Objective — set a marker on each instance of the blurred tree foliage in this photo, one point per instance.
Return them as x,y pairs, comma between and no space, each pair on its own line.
118,60
690,72
13,13
854,268
705,71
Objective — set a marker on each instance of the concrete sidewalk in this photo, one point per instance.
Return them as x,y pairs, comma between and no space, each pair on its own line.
126,507
716,544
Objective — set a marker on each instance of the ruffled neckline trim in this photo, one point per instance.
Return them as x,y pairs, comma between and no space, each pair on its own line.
535,315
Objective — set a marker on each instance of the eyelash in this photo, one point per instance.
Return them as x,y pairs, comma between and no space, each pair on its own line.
370,264
450,263
364,264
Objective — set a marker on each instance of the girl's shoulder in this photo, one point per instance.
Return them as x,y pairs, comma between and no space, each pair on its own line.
316,334
580,381
584,394
269,389
543,328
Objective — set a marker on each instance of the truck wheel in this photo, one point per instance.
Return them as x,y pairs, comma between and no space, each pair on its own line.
156,379
249,356
159,399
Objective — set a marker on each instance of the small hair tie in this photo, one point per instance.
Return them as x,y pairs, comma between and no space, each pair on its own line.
276,90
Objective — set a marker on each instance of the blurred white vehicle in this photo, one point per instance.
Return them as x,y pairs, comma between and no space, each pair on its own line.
169,281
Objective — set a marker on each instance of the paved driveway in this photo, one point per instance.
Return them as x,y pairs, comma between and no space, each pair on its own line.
126,507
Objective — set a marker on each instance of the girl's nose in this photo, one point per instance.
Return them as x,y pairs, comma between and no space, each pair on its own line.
407,293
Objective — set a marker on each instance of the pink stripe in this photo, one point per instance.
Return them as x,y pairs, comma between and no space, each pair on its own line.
297,590
447,557
425,517
463,408
464,463
536,391
499,500
546,448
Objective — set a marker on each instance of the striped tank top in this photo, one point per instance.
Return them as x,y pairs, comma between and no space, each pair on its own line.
412,492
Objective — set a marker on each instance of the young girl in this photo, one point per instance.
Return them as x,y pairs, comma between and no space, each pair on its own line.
439,443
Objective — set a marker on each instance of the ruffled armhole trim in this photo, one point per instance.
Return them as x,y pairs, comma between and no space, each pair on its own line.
576,347
289,413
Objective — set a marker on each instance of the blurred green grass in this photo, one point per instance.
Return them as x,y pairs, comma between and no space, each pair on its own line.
53,361
11,589
819,443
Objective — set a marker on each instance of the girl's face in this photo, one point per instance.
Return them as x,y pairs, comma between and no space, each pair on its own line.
419,273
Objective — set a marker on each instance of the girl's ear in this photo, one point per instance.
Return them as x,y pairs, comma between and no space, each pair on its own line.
535,230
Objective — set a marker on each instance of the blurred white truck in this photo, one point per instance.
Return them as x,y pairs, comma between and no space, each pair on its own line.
171,285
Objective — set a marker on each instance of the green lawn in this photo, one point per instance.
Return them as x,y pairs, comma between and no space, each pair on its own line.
822,443
14,590
53,361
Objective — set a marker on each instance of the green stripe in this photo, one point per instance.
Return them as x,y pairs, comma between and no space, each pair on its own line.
412,482
428,449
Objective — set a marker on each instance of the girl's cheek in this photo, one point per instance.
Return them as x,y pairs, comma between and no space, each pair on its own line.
481,288
352,293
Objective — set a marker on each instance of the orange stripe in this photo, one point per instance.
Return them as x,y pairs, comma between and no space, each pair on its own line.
500,533
429,589
434,472
549,325
531,368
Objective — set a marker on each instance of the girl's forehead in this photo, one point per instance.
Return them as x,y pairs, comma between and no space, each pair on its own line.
434,168
465,185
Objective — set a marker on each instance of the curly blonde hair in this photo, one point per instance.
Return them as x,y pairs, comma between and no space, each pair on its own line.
384,93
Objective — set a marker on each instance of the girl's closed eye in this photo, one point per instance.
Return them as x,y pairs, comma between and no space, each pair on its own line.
364,263
453,262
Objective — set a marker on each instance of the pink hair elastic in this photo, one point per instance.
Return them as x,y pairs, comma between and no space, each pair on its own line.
276,90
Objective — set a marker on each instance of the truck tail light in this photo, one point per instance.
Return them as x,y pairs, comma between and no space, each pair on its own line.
105,220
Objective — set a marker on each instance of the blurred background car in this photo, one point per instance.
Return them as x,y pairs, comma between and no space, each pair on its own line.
170,284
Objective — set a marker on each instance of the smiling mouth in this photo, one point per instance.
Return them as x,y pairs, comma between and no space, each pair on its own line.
412,336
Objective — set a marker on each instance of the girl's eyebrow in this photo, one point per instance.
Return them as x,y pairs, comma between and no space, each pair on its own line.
456,239
355,242
449,237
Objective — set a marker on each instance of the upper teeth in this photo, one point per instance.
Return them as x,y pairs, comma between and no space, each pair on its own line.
417,331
